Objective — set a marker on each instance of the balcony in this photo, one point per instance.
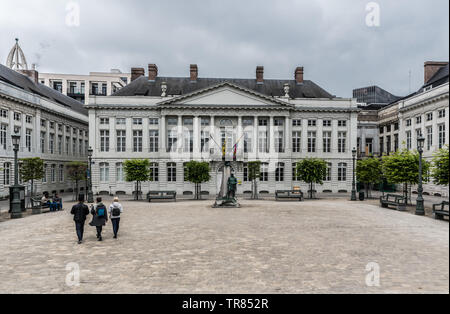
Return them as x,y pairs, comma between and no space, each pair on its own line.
74,91
96,92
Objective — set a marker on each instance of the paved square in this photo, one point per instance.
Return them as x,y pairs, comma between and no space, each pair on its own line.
265,247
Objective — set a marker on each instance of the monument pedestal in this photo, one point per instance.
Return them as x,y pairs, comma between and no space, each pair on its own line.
226,197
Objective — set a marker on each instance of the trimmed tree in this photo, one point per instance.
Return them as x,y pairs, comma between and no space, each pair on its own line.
402,167
311,171
440,170
137,170
76,172
32,169
254,172
368,171
197,173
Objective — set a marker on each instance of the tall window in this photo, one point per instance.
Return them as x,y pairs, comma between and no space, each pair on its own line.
3,135
429,138
188,142
408,140
104,141
264,175
119,172
104,172
67,145
369,146
61,173
44,177
279,141
342,172
296,142
248,141
171,172
311,142
245,172
172,138
327,142
327,177
396,142
204,142
279,172
388,144
7,173
154,141
442,135
137,141
80,147
154,172
121,141
53,173
262,142
51,144
60,144
295,176
342,142
381,145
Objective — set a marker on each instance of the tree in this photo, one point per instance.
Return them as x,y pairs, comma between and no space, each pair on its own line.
32,169
197,173
402,167
137,170
368,171
254,172
440,171
76,171
312,170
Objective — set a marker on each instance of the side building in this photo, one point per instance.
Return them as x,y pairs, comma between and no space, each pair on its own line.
52,126
171,121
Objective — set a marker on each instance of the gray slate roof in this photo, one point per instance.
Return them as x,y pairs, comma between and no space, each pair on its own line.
182,86
24,82
439,78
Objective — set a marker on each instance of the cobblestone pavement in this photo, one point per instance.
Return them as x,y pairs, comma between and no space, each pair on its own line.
265,247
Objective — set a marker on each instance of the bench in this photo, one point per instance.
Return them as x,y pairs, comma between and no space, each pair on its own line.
36,206
162,195
289,194
439,210
397,201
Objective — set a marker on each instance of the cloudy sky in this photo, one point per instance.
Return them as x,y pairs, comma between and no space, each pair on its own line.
229,38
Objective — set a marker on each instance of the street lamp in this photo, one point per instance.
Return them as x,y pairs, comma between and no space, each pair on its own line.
354,175
90,197
420,209
16,207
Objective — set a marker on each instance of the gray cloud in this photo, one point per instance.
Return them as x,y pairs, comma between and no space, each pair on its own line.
229,38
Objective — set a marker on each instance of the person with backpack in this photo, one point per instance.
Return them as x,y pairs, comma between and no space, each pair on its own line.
100,217
115,210
80,212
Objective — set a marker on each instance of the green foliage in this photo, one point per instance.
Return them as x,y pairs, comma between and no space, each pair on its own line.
440,171
312,170
403,167
197,172
254,170
137,170
31,169
368,171
76,170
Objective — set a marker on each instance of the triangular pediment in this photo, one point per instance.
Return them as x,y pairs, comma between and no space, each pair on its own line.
225,94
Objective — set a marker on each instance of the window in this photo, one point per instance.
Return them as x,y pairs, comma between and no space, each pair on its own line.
396,142
441,114
17,116
44,177
264,175
388,144
388,128
104,121
154,141
327,177
342,142
327,142
408,140
171,172
60,127
121,141
74,145
53,173
430,116
278,122
279,141
51,143
121,121
442,135
61,173
311,142
80,147
296,142
119,172
262,122
188,141
342,172
43,135
295,176
419,120
279,172
3,135
408,122
104,172
60,144
154,172
204,142
327,123
206,122
7,173
185,172
369,146
429,138
137,121
137,141
172,138
67,145
342,123
245,172
104,141
296,122
312,123
381,145
381,129
262,142
188,121
3,113
153,121
67,127
172,121
29,119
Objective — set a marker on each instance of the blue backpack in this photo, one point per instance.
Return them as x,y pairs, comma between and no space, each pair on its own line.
101,211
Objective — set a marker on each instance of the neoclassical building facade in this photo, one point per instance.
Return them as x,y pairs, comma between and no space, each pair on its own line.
171,121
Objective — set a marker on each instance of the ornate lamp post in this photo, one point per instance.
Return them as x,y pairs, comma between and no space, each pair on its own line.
16,208
90,197
420,209
354,175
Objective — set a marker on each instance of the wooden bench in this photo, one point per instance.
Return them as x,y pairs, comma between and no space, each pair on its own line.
162,195
289,194
439,210
397,201
36,205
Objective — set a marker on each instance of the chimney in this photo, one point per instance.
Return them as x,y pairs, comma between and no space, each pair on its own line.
431,67
260,75
32,74
299,75
152,72
137,73
194,73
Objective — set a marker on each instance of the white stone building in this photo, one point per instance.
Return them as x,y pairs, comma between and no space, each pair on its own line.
174,120
52,126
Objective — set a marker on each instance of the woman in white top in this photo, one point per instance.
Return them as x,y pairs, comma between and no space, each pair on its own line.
115,210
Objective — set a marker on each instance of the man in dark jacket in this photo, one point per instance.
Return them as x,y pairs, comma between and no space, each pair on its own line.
79,212
99,217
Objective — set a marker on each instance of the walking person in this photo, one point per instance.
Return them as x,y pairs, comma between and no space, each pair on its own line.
115,210
100,217
80,212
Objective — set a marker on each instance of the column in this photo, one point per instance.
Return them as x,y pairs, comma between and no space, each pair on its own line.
37,133
271,137
180,133
212,133
196,135
288,135
64,86
145,135
129,135
255,137
162,134
319,136
240,138
112,135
